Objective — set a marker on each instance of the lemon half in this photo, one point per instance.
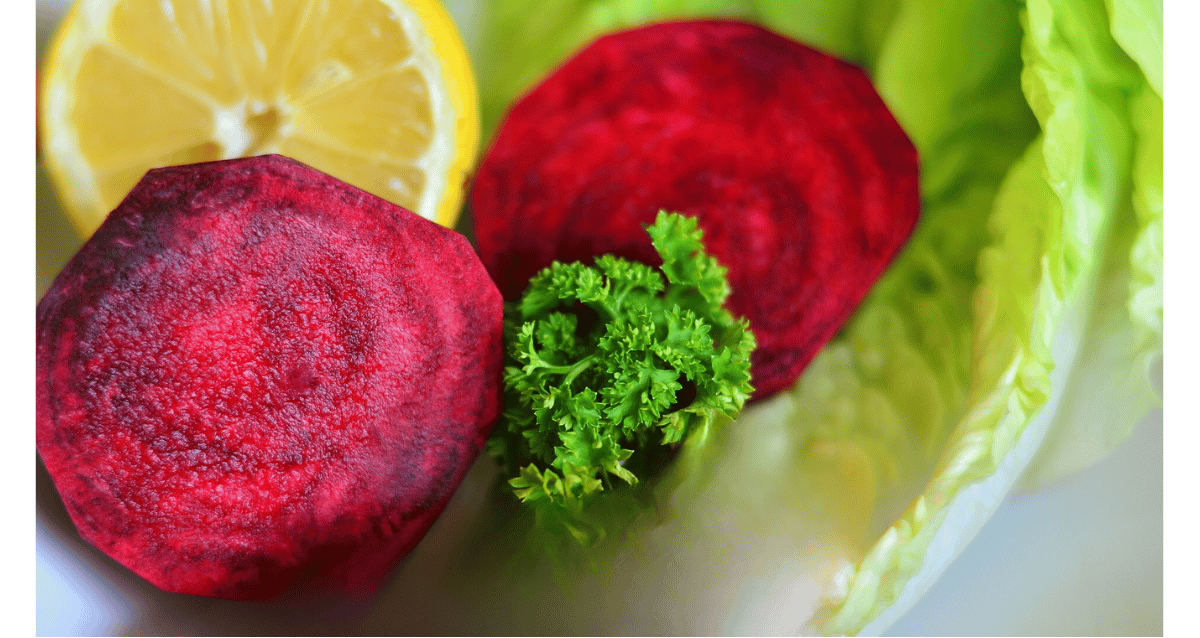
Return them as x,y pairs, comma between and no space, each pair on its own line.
378,93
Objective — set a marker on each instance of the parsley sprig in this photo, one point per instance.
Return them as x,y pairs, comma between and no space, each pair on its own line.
607,365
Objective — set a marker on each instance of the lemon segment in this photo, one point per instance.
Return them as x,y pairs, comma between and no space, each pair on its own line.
115,85
351,39
364,116
264,35
187,42
378,93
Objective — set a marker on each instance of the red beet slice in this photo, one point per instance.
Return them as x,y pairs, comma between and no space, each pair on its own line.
802,180
257,379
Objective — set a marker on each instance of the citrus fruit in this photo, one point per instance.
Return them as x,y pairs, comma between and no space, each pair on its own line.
378,93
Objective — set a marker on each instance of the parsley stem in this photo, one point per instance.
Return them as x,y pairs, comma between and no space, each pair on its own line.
577,368
570,371
610,312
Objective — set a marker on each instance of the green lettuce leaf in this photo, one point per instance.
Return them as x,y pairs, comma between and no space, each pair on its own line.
1054,281
1123,340
1137,25
1012,339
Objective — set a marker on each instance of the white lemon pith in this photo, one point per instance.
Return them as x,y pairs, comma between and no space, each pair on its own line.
378,93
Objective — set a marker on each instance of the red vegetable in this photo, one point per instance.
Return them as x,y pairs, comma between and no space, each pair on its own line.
255,377
803,182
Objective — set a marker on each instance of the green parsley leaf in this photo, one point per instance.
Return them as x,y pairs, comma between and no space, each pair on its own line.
610,367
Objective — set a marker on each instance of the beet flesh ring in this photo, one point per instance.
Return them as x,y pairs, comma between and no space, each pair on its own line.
256,379
803,182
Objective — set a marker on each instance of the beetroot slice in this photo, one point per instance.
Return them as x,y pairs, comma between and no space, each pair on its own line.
257,379
803,182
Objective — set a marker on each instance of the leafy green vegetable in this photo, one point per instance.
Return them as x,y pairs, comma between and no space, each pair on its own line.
1043,296
598,362
1122,339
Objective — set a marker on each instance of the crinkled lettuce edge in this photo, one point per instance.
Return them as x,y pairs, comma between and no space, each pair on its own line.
1028,333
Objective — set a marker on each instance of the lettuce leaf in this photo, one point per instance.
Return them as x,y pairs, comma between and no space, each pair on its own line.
1012,340
1123,341
1055,280
1137,25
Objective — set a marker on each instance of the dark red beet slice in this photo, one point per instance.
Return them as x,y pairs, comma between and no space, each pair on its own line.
257,379
802,180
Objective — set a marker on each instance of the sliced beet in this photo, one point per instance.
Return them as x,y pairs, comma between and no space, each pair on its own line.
802,180
257,379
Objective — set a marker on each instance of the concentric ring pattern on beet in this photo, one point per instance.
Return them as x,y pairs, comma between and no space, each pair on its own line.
257,379
804,183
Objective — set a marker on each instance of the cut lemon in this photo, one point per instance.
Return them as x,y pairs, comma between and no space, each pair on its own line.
378,93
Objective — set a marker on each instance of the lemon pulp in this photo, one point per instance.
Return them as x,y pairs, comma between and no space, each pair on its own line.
378,93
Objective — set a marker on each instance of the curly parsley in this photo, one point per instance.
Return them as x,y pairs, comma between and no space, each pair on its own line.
608,365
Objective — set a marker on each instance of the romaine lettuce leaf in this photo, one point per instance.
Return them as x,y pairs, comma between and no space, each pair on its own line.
1137,25
1054,281
1123,341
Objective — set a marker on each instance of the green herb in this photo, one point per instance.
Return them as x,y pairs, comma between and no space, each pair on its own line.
608,368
